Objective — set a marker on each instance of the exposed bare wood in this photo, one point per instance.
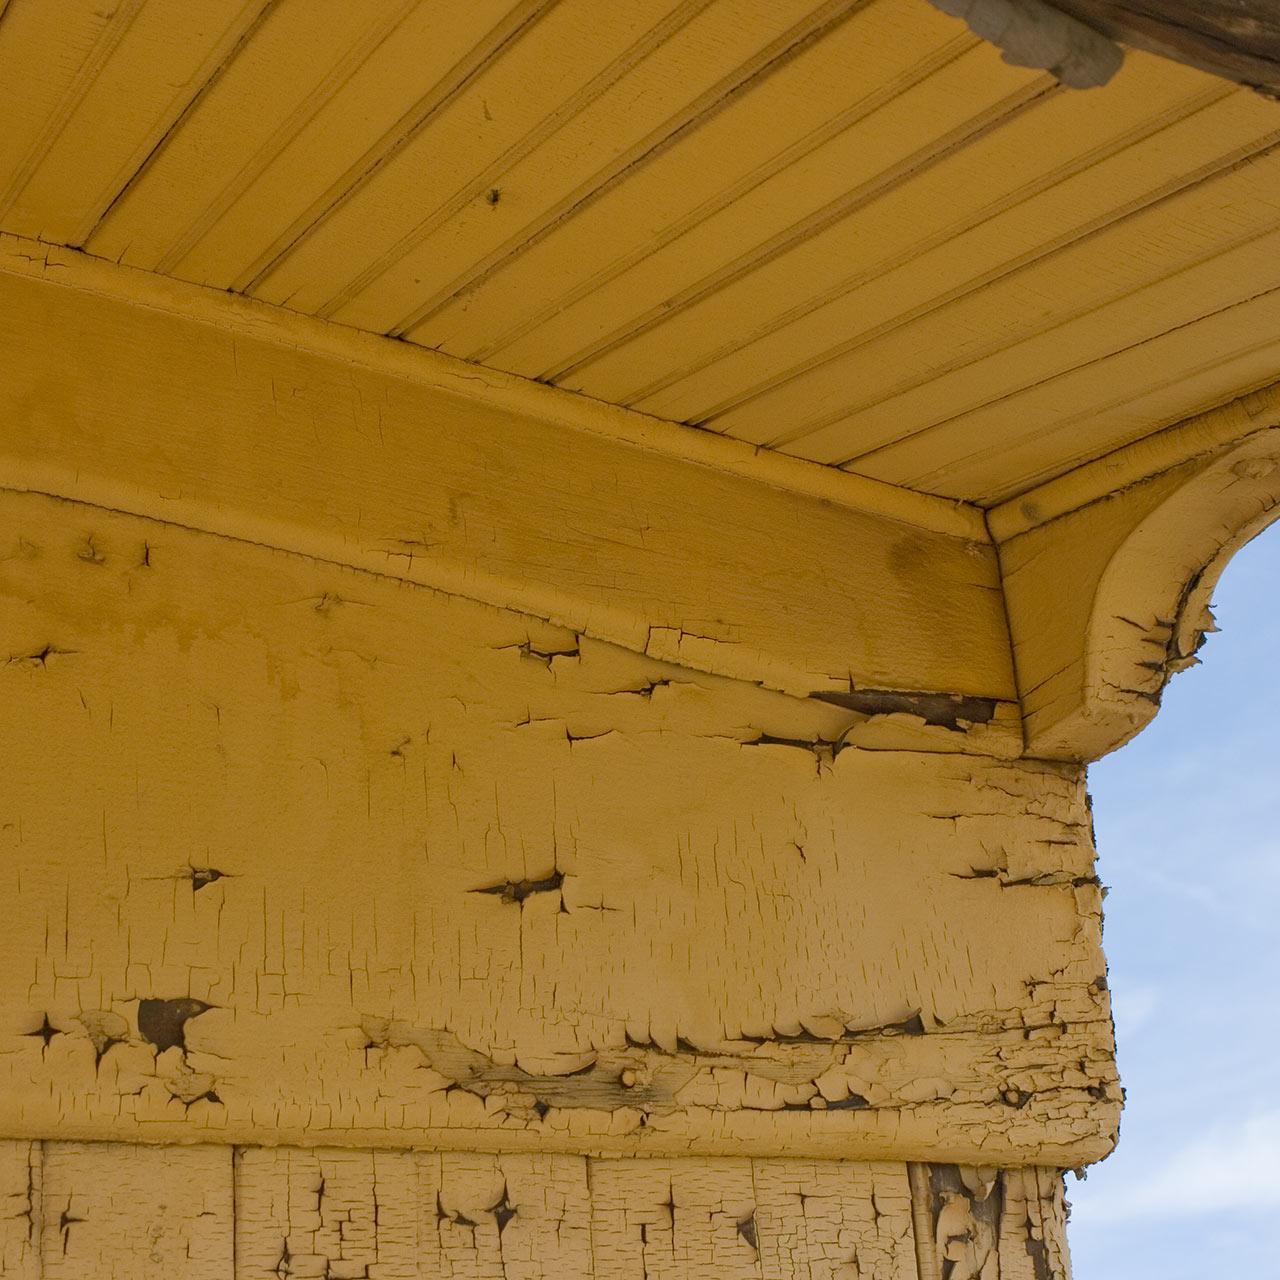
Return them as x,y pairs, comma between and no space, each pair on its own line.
1032,33
983,1223
1238,39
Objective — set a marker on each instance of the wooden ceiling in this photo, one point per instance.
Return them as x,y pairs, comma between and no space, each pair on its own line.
846,231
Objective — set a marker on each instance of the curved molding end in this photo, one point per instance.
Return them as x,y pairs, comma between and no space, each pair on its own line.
1110,601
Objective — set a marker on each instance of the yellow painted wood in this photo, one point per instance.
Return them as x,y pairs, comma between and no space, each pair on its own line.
892,224
20,1209
1215,358
381,456
682,76
298,57
1186,441
489,120
826,228
730,155
773,1218
157,58
966,96
451,825
148,1213
27,259
1220,248
49,67
374,105
998,276
983,1222
1108,581
982,397
348,861
405,1215
432,1216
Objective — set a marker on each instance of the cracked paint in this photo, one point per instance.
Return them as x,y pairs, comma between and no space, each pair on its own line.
416,872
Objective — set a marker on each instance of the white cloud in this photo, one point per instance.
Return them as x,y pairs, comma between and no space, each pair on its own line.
1230,1166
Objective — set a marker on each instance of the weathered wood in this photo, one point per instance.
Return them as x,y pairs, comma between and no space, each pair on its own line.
402,1215
148,1213
1032,33
1109,573
114,1210
982,1223
1238,39
1033,1226
363,452
331,858
1075,39
21,1208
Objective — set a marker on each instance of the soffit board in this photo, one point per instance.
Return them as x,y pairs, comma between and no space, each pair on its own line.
846,231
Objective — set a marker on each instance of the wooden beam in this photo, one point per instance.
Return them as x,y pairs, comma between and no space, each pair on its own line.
1033,33
1079,41
1236,39
216,413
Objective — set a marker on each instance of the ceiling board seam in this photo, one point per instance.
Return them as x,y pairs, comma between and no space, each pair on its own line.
104,206
1028,191
708,104
377,156
114,30
1049,474
1057,321
829,215
546,128
1223,426
248,173
1046,475
62,267
776,164
926,478
1033,257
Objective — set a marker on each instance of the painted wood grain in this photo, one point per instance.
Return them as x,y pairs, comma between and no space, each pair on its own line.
296,850
416,470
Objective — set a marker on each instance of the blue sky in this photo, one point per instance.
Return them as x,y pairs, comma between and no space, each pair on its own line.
1188,828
